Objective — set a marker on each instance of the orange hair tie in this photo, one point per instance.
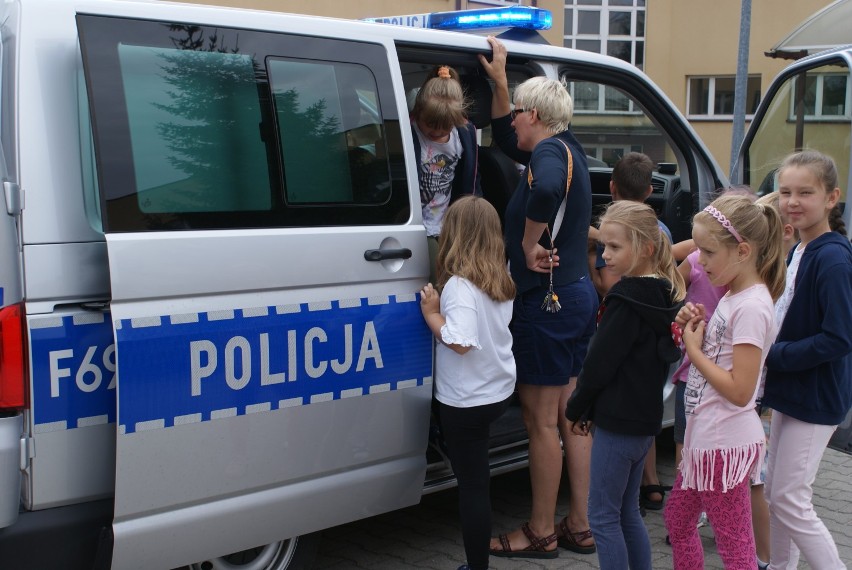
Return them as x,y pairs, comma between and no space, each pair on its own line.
444,72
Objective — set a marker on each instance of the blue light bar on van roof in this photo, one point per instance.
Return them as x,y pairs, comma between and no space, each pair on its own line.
513,17
526,17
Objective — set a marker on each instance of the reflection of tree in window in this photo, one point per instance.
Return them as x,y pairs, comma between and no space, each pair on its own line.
312,124
330,126
314,149
212,128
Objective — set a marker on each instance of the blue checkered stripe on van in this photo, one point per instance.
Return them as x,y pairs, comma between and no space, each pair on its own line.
198,367
72,359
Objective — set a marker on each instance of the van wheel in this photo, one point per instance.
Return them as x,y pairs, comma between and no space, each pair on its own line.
293,554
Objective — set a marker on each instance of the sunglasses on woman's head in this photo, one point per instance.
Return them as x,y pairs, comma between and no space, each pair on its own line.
516,112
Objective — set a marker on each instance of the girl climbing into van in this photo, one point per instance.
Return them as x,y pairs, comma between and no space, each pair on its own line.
446,150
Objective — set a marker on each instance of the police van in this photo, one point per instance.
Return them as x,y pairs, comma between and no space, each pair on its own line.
210,336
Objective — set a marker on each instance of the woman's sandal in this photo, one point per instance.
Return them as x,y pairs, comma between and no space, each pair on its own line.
571,540
536,549
645,500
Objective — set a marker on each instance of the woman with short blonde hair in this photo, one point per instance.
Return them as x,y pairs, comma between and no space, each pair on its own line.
546,234
550,99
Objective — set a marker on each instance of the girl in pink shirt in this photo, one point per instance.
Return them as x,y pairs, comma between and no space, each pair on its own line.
740,247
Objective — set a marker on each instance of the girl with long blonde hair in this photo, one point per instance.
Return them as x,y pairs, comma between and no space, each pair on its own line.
475,368
620,388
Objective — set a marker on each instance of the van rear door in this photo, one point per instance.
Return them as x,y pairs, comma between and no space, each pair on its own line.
265,252
809,105
12,350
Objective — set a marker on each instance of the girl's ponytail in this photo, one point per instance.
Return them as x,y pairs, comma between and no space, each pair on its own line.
440,103
666,266
835,221
444,72
770,254
756,223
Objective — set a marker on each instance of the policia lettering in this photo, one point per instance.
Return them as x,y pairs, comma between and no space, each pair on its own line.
238,353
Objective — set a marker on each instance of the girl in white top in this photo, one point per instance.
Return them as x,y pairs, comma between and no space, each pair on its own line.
740,245
475,368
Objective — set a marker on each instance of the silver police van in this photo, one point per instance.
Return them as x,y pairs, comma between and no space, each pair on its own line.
210,337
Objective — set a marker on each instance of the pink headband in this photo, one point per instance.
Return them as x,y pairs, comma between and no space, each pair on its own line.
726,223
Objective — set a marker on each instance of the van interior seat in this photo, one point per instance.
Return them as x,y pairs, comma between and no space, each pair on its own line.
499,173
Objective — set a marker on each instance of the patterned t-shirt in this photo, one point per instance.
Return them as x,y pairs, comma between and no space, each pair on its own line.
713,423
437,167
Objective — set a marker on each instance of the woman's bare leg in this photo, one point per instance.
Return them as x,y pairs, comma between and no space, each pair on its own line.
540,405
578,456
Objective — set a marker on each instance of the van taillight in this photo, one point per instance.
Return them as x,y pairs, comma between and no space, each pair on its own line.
12,365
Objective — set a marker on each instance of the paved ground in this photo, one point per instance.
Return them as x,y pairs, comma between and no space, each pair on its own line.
427,536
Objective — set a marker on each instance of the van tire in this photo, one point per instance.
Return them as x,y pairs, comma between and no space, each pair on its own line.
292,554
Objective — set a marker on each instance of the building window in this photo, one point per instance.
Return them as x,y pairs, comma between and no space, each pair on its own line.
826,97
611,27
713,96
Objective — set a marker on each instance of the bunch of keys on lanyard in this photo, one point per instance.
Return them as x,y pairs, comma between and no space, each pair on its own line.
551,299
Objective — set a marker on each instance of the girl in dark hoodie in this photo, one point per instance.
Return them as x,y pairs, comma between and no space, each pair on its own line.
620,388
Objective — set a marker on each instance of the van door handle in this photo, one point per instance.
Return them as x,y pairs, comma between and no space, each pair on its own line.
383,254
102,306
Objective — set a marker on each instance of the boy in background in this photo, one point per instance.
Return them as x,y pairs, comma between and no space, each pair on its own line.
631,180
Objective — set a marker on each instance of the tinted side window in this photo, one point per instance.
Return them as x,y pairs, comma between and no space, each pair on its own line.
203,128
329,126
193,121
